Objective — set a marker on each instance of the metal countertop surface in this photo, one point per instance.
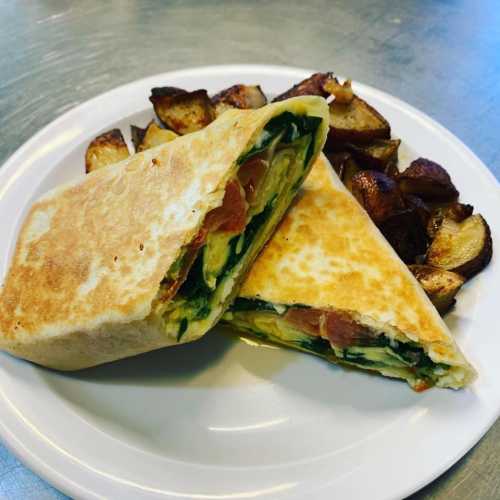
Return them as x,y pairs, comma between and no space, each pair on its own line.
441,56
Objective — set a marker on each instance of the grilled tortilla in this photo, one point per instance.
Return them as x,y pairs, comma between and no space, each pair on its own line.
328,283
149,252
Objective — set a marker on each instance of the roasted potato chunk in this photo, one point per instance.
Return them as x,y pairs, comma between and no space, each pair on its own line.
401,226
345,166
314,85
356,123
341,91
462,247
377,155
399,221
378,194
239,96
167,91
428,180
151,136
106,149
456,211
181,111
406,234
441,286
415,203
137,134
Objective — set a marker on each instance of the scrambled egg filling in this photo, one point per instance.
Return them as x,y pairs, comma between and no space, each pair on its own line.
394,358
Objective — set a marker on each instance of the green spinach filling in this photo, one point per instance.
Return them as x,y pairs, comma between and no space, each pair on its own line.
289,140
265,320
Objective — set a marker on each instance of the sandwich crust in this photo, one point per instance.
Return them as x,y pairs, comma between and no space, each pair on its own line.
91,255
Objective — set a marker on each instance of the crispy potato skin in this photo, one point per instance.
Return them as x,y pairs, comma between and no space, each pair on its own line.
239,96
400,223
378,194
456,212
167,91
181,111
106,149
428,180
314,85
441,286
463,247
355,123
377,155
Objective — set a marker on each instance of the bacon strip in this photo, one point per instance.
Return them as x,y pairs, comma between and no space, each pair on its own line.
251,174
306,320
231,216
339,328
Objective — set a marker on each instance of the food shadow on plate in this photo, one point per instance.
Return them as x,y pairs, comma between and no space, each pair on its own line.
206,362
167,366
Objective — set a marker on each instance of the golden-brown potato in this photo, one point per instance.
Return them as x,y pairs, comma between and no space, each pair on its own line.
441,286
341,91
153,135
239,96
181,111
428,180
378,194
314,85
355,123
462,247
106,149
456,211
377,155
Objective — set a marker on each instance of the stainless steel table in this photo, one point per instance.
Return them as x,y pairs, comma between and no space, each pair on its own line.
442,56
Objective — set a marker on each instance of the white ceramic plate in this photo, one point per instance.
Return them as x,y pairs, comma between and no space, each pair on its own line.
220,419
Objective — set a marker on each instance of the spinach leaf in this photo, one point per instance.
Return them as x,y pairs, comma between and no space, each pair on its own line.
241,304
194,285
183,325
292,126
250,232
317,345
194,309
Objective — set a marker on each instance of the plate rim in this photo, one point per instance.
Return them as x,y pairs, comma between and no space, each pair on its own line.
75,488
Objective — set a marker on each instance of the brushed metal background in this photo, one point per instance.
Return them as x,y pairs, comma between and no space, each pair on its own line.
442,56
